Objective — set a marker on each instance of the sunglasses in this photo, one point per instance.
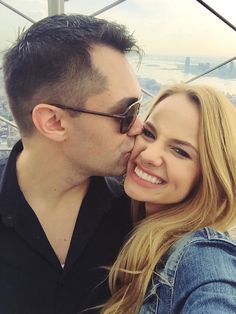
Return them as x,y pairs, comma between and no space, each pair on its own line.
127,118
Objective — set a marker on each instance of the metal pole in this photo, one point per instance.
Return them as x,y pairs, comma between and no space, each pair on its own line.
217,14
8,122
55,7
147,92
108,7
17,11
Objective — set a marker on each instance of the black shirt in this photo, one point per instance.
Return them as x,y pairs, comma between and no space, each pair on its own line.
32,280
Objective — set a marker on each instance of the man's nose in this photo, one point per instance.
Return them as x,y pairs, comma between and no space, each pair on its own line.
136,128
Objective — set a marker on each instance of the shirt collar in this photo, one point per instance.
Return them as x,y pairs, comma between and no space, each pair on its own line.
98,196
9,188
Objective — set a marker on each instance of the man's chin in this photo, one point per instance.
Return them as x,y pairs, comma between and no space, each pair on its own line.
118,172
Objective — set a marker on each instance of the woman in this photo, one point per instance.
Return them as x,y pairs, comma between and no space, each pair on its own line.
182,172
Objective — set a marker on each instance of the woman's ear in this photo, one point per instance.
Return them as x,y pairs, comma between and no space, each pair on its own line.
48,121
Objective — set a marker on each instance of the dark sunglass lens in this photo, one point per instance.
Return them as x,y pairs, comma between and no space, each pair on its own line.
131,115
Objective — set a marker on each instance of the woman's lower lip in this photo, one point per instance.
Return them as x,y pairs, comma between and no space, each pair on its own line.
142,182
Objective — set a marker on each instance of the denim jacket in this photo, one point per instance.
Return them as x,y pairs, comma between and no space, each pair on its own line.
196,276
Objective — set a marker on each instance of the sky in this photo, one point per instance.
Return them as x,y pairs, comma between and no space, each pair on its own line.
172,27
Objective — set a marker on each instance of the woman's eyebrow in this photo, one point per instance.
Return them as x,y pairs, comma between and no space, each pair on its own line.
150,125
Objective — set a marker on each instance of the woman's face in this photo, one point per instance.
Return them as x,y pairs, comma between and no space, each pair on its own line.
164,165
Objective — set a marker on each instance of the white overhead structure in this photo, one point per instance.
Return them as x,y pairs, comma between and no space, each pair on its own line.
55,7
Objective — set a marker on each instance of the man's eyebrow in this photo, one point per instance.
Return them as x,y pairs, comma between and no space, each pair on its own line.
123,103
174,140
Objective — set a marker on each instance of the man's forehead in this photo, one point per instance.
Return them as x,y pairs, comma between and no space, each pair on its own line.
122,87
111,63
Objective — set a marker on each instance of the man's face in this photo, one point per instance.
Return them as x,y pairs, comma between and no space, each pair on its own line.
95,145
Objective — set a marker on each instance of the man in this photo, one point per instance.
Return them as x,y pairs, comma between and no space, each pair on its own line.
75,100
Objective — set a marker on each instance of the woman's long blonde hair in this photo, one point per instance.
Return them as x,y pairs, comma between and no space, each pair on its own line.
212,202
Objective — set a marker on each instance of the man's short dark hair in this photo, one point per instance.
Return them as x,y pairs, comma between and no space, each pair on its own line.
50,63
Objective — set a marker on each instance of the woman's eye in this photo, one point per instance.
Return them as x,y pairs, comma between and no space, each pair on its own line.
148,133
181,152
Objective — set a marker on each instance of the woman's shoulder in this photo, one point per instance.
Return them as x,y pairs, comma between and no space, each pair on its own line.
207,250
206,235
203,238
197,273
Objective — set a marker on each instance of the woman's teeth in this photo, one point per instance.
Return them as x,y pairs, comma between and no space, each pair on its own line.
147,177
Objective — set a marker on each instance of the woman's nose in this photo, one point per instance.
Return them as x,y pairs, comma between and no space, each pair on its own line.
152,156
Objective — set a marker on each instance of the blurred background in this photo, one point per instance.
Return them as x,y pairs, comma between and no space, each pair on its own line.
185,40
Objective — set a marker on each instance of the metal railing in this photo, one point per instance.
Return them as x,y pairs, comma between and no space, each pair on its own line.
8,122
217,14
17,11
108,7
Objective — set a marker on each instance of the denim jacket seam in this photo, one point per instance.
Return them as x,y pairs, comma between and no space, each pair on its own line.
219,236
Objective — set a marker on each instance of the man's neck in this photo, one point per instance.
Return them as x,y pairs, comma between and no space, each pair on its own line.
55,196
47,182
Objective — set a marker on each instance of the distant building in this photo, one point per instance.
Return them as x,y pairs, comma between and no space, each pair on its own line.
187,66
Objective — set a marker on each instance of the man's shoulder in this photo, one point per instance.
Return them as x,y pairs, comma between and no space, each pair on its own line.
115,185
11,159
109,192
3,163
121,203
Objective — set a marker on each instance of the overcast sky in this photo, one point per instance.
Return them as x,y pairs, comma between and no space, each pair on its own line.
177,27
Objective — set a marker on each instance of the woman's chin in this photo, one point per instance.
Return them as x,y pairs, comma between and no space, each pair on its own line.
132,191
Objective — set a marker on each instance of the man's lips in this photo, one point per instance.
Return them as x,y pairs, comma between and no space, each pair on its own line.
127,155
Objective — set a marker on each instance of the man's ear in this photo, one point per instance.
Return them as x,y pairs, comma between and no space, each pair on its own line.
48,121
